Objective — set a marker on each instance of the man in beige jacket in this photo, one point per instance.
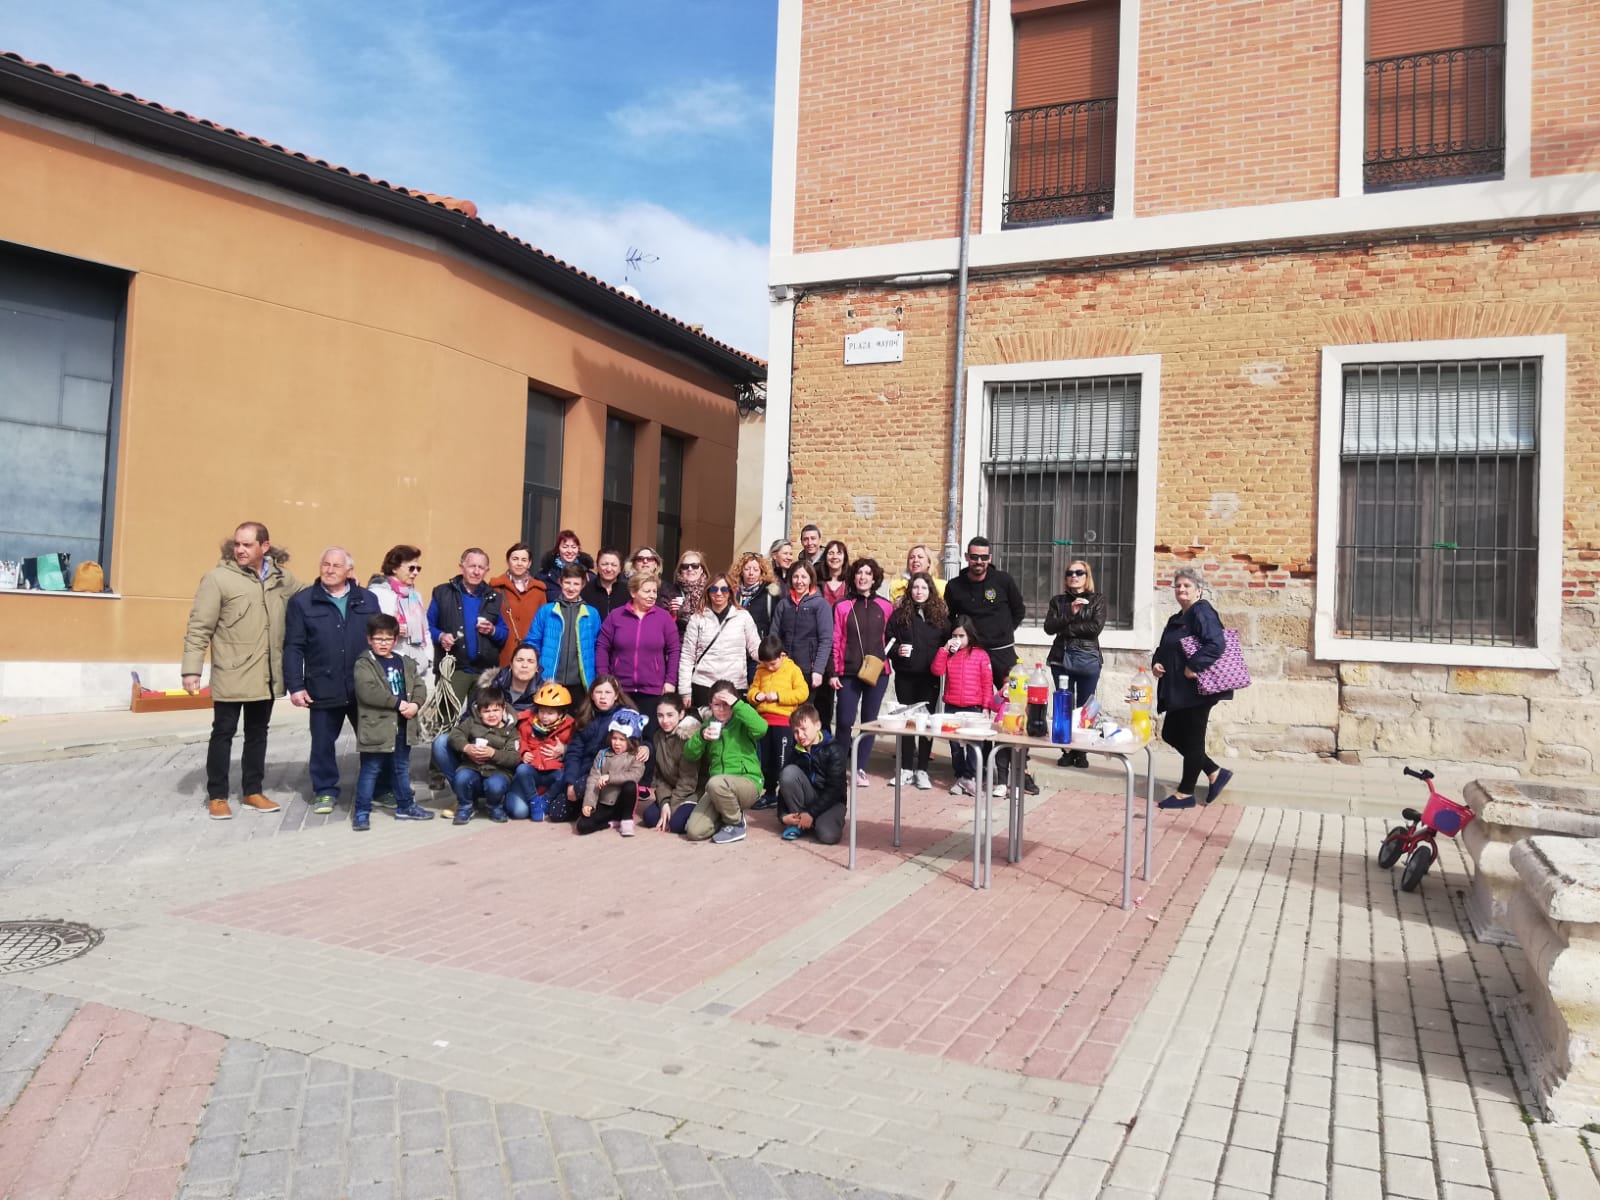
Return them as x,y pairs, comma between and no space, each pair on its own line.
238,615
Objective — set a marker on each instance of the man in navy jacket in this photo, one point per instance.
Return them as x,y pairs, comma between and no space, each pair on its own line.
325,631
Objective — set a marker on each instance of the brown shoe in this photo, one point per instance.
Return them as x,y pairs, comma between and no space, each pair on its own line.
219,810
260,803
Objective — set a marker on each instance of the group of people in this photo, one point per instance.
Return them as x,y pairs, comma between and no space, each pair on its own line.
608,695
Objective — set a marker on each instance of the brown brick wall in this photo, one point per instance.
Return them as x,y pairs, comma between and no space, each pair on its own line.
1566,98
1240,344
1238,103
1238,106
883,117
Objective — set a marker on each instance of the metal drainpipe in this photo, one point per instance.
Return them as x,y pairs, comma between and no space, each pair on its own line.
952,551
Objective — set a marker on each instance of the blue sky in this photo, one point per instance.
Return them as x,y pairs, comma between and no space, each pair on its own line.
584,128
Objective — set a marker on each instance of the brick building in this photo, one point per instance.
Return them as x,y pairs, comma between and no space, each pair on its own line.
1303,292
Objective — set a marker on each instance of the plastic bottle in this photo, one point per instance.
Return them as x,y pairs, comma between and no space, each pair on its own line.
1039,702
1141,694
1014,696
1061,717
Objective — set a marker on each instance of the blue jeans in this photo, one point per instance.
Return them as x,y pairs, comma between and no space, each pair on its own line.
396,764
527,784
468,785
964,755
326,726
856,696
443,758
1083,683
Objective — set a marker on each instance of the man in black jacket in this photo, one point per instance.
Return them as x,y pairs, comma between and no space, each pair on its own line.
813,787
464,617
993,601
325,631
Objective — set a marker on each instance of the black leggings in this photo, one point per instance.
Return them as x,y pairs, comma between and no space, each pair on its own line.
615,803
1184,729
914,688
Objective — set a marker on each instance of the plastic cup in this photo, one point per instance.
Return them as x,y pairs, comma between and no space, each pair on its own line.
713,731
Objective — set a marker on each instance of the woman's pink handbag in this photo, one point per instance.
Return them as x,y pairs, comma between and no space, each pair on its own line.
1228,673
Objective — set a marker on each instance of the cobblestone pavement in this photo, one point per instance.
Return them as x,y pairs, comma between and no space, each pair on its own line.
282,1008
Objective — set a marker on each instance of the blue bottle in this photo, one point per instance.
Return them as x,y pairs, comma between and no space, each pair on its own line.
1061,716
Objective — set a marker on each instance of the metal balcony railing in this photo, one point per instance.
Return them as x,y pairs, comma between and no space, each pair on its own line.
1436,116
1062,162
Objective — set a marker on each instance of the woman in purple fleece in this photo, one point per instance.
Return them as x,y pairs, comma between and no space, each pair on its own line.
638,644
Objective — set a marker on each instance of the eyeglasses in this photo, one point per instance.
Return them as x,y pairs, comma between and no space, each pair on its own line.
719,587
412,570
645,558
691,566
388,638
1072,572
978,557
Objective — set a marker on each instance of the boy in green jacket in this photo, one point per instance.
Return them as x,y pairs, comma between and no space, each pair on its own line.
727,744
388,695
488,746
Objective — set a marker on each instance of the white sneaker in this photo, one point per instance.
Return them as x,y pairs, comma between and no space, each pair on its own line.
924,784
861,779
999,792
907,778
963,787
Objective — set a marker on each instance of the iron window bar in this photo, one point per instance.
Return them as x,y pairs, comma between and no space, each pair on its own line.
1061,482
1437,115
1062,162
1438,502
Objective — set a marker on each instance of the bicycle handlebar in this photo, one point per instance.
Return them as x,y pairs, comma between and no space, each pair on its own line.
1423,774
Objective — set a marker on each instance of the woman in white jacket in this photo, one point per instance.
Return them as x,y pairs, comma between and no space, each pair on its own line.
718,643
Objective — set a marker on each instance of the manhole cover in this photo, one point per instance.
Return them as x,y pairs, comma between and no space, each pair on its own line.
25,945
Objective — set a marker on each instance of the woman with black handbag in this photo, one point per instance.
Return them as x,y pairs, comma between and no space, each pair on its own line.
860,641
1076,618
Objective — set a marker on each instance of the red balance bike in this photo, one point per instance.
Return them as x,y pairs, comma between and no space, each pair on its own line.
1442,815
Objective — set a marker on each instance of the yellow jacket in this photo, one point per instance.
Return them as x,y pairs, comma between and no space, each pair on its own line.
784,678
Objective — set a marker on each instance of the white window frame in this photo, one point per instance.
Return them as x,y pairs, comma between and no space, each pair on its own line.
1545,653
1148,367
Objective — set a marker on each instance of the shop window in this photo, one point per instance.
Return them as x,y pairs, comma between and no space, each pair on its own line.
60,355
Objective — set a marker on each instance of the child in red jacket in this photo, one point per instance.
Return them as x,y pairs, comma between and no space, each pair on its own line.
968,687
545,729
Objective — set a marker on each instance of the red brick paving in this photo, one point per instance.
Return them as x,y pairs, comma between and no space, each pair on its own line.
111,1110
645,918
1043,974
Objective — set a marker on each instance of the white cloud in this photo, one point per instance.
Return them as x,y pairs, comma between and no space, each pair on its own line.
701,276
711,107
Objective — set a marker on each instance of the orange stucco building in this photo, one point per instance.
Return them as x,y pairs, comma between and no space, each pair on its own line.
228,331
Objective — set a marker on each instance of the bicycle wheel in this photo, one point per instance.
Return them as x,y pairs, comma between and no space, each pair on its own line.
1416,867
1393,844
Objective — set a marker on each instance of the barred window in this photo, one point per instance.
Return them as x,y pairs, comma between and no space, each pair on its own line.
1061,481
1438,523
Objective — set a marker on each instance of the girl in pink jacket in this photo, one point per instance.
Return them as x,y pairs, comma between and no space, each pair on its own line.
968,687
